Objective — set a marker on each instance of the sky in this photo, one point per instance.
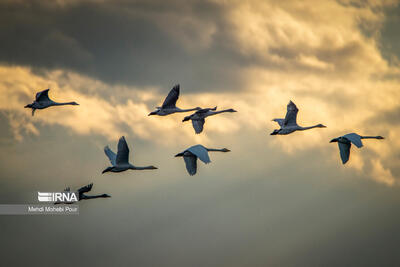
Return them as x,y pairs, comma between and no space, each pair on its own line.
271,201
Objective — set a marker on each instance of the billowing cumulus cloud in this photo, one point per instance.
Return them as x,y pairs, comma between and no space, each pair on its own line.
271,201
253,56
119,111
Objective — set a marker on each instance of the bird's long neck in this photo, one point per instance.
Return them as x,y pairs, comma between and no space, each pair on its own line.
371,137
93,196
62,103
215,149
144,168
220,111
309,127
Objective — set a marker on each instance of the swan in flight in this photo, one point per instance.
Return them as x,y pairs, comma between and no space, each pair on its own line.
81,196
191,154
344,143
120,161
43,101
169,105
198,118
289,123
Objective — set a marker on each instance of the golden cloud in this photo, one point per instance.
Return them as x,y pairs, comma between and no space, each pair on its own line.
314,53
107,116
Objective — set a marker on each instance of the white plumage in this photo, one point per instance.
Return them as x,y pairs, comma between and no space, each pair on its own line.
193,153
43,101
289,123
345,141
120,161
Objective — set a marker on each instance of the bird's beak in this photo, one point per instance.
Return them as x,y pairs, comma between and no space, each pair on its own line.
333,140
27,106
152,113
185,119
273,133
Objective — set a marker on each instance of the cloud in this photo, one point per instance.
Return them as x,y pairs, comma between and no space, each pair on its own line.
113,116
20,125
140,43
381,174
207,45
119,59
284,34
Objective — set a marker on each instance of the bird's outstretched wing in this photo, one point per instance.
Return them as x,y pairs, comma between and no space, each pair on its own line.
344,151
354,138
111,155
43,95
291,114
172,97
200,152
123,152
198,125
191,164
85,188
279,121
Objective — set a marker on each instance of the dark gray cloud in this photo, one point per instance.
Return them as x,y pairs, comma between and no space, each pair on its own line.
154,43
255,206
118,43
390,38
228,215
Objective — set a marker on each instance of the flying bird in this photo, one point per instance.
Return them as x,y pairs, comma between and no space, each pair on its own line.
191,154
169,105
198,118
344,143
289,123
120,161
81,196
43,101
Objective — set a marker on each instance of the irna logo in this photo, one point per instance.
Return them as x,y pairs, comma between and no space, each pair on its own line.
57,197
